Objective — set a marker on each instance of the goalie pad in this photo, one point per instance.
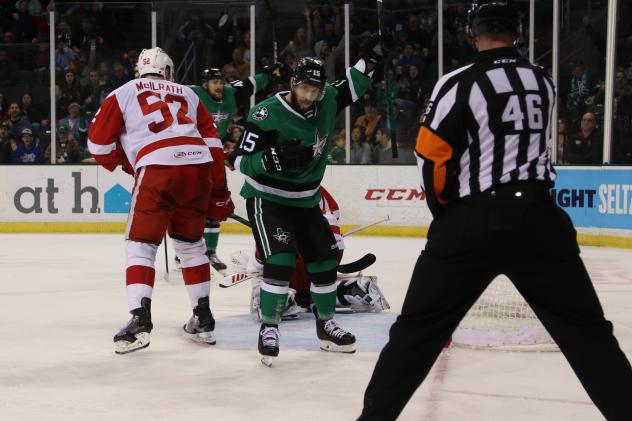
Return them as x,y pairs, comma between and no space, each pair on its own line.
362,294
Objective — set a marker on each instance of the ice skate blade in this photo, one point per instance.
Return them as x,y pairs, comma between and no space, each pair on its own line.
332,347
267,360
207,338
124,347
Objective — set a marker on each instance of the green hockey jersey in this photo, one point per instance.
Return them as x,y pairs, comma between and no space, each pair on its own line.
273,121
224,110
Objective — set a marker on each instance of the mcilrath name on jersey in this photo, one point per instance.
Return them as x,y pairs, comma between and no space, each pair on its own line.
158,86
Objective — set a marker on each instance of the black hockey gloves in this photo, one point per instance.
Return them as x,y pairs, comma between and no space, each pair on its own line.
273,70
374,49
287,156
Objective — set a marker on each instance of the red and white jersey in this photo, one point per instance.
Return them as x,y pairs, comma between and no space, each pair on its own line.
331,212
154,122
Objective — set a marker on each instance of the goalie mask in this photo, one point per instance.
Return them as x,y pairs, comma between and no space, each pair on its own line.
311,71
154,61
492,17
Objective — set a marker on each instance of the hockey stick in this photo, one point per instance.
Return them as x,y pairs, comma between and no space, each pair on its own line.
365,226
357,265
274,38
240,219
166,256
346,234
351,267
390,117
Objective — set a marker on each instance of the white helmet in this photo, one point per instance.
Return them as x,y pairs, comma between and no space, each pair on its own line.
155,61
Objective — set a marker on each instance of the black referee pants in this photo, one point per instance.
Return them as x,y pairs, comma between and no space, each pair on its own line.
533,242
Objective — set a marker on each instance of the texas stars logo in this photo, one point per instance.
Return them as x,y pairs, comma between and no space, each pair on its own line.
319,144
220,116
282,236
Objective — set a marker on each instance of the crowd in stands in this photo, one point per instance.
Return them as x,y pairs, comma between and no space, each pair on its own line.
582,98
92,59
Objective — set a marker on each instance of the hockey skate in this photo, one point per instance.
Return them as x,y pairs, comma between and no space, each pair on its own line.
268,344
201,325
217,264
362,294
333,338
135,334
291,311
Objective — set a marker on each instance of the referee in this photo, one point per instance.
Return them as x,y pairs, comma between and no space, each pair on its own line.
482,156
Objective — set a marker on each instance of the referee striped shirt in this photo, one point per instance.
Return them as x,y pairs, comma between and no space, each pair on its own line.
486,124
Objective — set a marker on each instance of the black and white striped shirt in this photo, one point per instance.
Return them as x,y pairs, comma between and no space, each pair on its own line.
486,124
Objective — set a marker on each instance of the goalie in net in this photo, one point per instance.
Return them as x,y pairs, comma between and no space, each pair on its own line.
355,292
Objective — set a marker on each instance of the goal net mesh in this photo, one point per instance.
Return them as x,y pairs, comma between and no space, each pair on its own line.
501,319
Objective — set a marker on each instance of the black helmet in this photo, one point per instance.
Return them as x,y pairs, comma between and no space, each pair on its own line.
212,73
492,17
311,71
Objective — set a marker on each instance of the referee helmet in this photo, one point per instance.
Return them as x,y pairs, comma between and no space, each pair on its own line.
492,17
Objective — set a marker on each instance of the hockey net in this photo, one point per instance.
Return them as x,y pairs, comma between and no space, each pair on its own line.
502,320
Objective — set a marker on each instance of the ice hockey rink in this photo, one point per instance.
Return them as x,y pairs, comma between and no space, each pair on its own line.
62,298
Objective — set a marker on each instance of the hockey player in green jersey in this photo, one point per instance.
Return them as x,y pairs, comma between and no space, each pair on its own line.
222,100
283,155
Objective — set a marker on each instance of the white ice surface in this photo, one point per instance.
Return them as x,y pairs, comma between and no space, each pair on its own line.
62,298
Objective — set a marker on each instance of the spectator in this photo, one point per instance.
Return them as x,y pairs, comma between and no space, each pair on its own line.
242,67
369,121
579,90
301,45
418,87
68,150
622,121
337,154
35,7
5,143
230,142
17,122
44,134
77,124
27,151
4,112
329,57
562,139
31,111
408,57
129,60
236,131
9,69
332,27
360,150
621,85
64,32
382,151
461,51
289,62
93,94
89,40
63,53
413,34
585,147
104,74
120,77
67,93
81,69
245,45
21,23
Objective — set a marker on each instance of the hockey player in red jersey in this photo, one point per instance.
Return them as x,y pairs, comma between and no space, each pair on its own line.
160,132
356,292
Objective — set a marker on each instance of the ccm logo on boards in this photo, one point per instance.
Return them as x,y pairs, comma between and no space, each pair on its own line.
394,194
